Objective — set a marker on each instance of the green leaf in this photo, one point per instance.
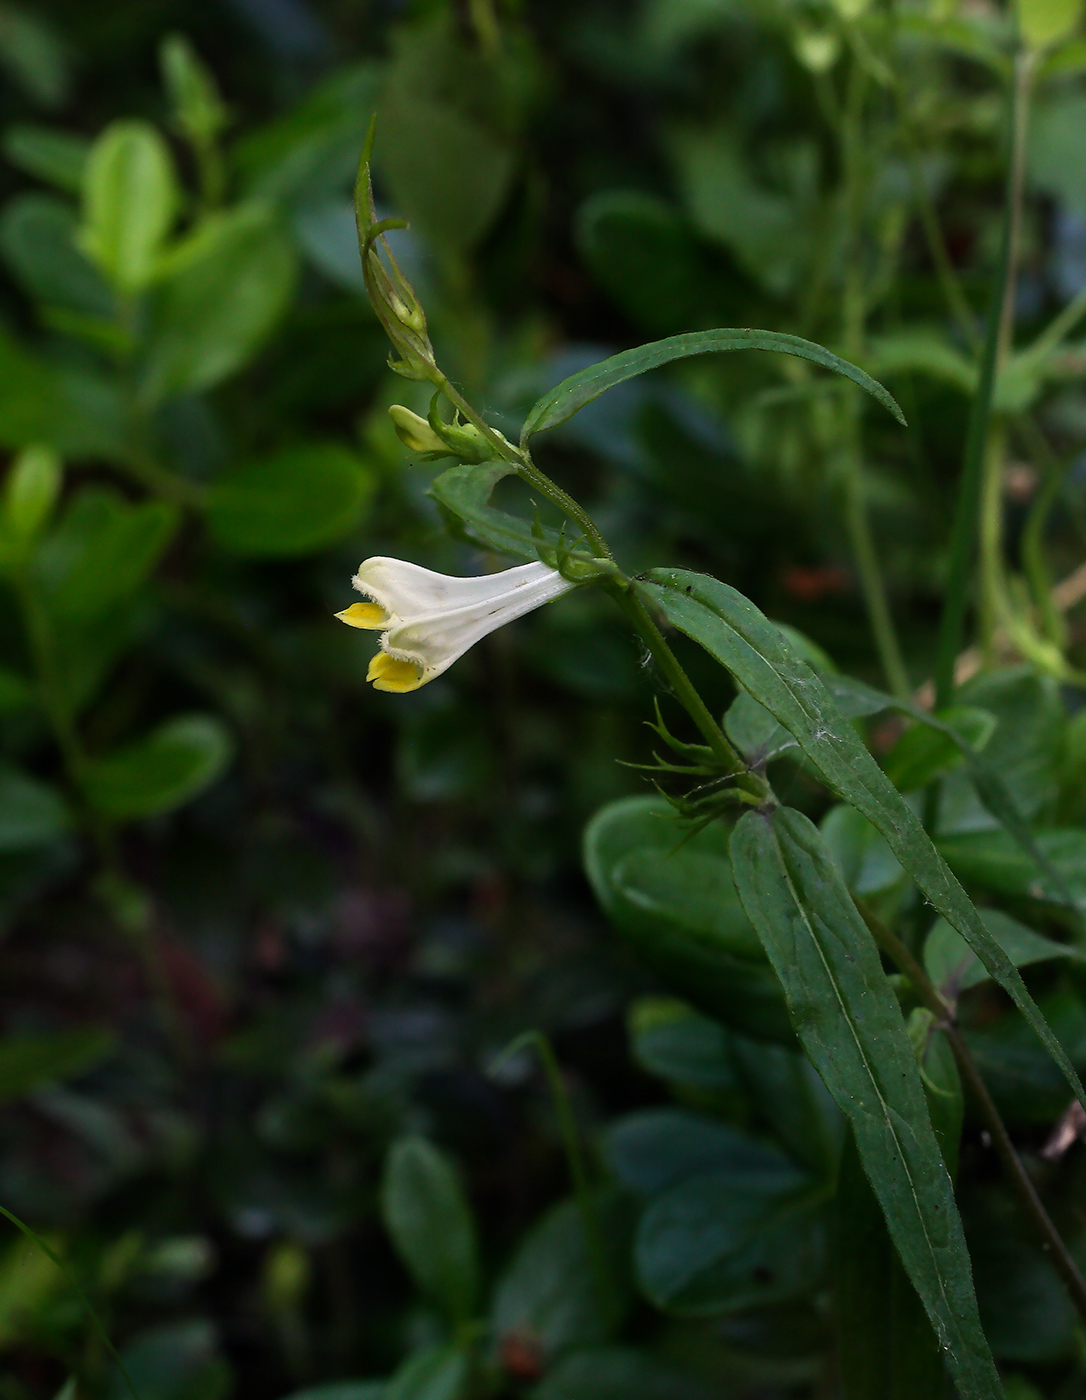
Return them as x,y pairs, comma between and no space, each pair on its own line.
999,862
430,1222
767,229
298,501
130,199
669,1039
28,1063
562,402
851,1028
886,1346
1013,778
101,551
30,492
754,731
744,641
16,692
198,109
463,495
438,1373
657,1148
645,256
864,859
49,153
229,286
788,1099
34,55
31,812
37,239
619,1373
170,766
953,967
731,1240
549,1293
673,896
924,753
444,149
1045,22
342,1390
178,1361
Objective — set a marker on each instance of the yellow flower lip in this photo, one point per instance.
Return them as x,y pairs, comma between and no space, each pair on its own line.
398,677
428,620
371,616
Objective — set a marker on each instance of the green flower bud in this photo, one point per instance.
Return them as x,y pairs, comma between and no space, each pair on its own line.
391,294
31,492
816,49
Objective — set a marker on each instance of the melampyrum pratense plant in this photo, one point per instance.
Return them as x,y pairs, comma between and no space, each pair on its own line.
886,1046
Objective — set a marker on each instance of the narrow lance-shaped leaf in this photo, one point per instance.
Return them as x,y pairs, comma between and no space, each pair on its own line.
764,662
991,789
850,1025
565,399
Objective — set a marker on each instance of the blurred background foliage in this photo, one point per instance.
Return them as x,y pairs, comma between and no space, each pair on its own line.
261,922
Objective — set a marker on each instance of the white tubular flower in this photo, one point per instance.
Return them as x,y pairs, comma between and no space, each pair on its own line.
429,620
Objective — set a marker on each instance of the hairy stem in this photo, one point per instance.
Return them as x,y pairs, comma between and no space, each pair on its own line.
756,788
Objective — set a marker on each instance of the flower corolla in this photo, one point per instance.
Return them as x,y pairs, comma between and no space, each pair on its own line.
429,620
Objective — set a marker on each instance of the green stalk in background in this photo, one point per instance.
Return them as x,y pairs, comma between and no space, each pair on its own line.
966,526
857,520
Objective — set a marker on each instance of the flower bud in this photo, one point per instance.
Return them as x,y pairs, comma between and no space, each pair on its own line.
31,492
391,294
414,432
816,49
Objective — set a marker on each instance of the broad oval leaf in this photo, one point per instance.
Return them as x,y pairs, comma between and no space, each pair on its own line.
657,1148
130,198
227,287
670,1039
565,399
438,1373
295,502
100,552
673,897
32,813
162,771
430,1222
851,1027
619,1373
731,1240
549,1296
763,661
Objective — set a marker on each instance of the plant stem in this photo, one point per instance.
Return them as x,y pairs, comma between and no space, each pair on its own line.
757,789
1023,86
966,512
1033,535
992,600
527,469
865,556
1051,1241
937,251
578,1168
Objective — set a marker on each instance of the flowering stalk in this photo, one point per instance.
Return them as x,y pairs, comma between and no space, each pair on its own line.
428,620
